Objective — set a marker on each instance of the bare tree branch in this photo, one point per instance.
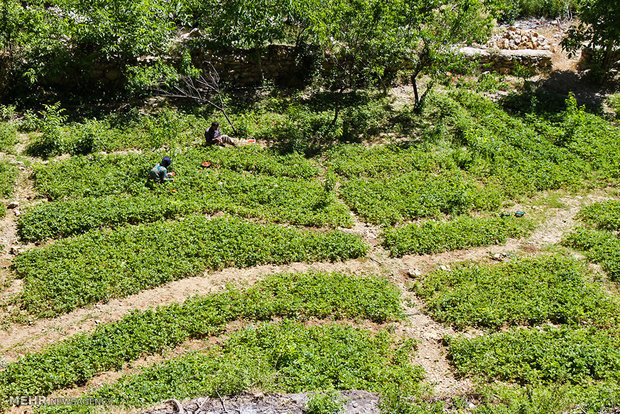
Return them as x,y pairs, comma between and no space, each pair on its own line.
205,89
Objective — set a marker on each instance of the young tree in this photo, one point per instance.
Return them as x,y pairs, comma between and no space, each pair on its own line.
431,31
599,29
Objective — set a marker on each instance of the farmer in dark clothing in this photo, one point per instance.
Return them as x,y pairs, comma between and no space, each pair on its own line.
160,173
213,136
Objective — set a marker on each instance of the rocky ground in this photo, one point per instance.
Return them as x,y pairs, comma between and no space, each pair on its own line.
355,402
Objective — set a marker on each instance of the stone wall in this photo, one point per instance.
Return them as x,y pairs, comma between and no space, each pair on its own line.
277,64
505,61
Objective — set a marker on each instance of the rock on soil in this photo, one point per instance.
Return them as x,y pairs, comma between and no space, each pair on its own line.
357,402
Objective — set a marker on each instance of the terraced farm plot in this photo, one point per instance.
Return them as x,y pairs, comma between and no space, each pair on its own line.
535,356
512,331
521,292
436,236
105,264
299,296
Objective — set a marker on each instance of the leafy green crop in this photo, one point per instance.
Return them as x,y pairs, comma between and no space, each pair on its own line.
600,247
302,296
604,215
463,232
352,161
8,175
102,175
415,195
8,136
277,199
100,265
285,357
547,355
526,291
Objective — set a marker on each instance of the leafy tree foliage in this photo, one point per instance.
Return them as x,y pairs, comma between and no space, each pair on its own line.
599,28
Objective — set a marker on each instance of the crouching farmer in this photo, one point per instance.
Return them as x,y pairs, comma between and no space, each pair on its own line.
159,173
213,136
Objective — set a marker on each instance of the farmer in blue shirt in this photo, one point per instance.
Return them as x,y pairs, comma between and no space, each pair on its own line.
160,173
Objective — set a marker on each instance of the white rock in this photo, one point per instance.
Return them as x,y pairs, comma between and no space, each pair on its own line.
413,273
13,204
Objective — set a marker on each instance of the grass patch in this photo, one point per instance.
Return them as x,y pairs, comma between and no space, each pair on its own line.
463,232
100,265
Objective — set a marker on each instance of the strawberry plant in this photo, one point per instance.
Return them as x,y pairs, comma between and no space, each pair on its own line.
463,232
103,264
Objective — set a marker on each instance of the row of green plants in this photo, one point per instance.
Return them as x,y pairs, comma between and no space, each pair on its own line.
74,361
603,216
294,123
545,355
416,195
599,239
195,190
103,264
463,232
8,136
284,357
530,291
100,175
600,246
8,175
527,158
586,397
166,127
